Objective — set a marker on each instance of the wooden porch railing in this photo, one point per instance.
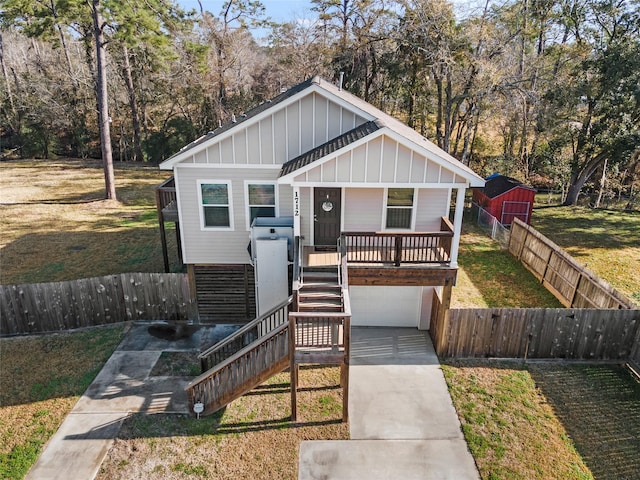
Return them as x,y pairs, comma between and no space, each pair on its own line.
166,197
320,337
166,193
241,372
245,336
399,248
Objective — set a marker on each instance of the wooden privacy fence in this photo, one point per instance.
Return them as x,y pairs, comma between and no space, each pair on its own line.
634,358
586,334
573,284
49,307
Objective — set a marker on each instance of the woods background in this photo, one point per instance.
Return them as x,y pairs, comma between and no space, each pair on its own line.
543,90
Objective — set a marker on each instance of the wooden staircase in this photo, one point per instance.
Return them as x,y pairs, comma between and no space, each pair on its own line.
320,290
242,361
312,326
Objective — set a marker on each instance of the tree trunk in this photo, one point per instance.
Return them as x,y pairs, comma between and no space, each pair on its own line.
133,105
580,177
603,180
103,101
7,81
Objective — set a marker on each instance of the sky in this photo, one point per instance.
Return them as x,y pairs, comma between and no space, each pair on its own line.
284,10
278,10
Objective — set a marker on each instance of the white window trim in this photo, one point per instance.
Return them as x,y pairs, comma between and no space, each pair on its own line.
201,206
413,212
246,198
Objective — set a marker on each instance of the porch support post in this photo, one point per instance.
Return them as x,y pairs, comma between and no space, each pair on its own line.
296,211
457,227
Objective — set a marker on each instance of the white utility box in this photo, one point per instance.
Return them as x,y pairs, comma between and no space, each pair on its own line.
272,272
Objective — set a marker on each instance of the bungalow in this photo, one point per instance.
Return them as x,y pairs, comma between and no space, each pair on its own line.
267,201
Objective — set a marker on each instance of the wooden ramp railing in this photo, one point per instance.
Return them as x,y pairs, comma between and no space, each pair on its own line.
242,361
245,336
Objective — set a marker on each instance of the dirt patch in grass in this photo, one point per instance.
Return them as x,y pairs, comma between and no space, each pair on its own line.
490,277
177,364
41,379
599,406
55,224
510,427
252,438
607,241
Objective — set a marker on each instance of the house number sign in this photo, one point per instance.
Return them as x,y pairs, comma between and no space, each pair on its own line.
296,204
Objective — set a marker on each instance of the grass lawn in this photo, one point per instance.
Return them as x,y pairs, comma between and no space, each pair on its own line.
55,224
548,420
607,241
491,277
41,378
539,421
252,438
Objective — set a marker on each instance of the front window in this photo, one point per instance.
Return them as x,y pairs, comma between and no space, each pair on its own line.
399,208
215,204
261,200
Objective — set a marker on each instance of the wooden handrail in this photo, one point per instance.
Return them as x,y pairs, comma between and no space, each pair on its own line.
235,356
165,193
243,336
398,248
253,364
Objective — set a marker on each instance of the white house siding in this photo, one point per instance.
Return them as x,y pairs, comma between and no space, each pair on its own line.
297,127
432,204
381,160
221,246
306,215
363,209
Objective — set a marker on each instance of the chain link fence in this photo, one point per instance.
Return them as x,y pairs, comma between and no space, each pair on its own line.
492,226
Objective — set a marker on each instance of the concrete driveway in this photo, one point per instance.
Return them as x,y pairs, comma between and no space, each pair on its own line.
402,422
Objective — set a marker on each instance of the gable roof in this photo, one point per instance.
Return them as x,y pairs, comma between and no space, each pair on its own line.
331,146
497,185
355,104
255,111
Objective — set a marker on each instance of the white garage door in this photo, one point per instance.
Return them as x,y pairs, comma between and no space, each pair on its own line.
389,306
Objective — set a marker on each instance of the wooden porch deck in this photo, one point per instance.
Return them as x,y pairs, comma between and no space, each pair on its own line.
374,256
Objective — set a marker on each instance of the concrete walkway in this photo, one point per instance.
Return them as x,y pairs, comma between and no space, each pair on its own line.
123,387
402,421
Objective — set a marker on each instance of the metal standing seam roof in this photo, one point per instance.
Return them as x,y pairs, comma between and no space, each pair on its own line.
501,184
379,118
331,146
245,116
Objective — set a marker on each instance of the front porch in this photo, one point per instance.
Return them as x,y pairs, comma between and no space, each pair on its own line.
385,258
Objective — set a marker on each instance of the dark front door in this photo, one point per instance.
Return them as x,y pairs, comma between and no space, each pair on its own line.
326,216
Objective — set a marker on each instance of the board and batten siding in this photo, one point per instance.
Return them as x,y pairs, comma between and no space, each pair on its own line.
363,209
298,127
432,205
213,246
381,160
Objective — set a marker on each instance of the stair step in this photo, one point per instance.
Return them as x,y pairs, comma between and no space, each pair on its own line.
321,278
314,295
319,307
313,284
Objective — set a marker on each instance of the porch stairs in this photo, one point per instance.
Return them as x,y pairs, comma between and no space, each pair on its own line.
320,290
265,346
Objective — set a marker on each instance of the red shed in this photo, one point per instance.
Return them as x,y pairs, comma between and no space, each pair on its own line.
505,198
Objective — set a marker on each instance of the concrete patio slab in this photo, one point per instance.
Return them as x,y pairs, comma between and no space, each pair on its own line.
123,387
386,460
